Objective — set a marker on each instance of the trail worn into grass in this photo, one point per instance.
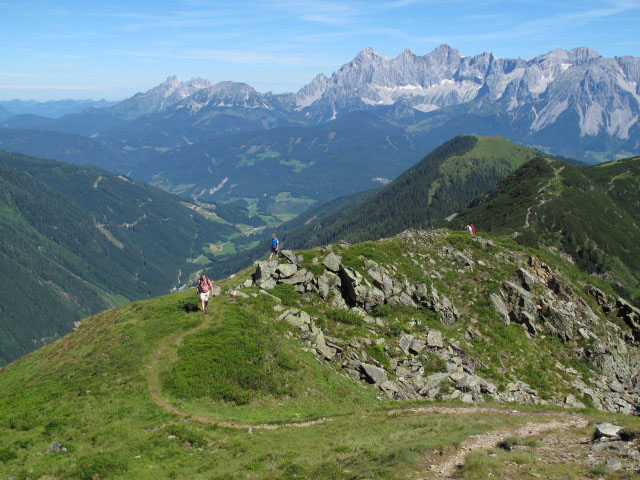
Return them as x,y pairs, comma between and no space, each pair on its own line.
153,373
441,467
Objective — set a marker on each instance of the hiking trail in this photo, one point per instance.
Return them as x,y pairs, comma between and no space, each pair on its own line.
433,465
153,376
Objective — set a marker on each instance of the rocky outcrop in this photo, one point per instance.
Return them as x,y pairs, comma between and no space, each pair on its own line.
424,363
345,287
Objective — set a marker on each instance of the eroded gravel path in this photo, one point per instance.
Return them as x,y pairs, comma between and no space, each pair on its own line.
441,467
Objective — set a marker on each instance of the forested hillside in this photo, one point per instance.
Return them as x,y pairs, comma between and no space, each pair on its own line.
75,240
447,178
65,147
590,213
442,182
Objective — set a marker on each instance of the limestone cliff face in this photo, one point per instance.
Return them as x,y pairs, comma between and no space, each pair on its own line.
602,94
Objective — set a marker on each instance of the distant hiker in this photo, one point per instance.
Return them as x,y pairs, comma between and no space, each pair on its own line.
470,228
275,245
204,289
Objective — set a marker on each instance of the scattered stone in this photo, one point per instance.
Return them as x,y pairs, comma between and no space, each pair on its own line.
286,270
500,308
434,339
248,283
405,342
570,401
55,447
374,374
606,430
613,464
289,256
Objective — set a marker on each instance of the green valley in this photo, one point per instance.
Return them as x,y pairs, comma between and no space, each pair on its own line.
77,240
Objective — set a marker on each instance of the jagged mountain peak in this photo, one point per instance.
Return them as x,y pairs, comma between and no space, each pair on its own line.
445,50
368,52
541,89
225,94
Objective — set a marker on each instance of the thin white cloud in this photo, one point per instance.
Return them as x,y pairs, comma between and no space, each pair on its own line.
51,87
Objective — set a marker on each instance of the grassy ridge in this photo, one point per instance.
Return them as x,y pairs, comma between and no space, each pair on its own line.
90,390
590,213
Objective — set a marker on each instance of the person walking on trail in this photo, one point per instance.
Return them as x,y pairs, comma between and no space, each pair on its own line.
204,289
275,246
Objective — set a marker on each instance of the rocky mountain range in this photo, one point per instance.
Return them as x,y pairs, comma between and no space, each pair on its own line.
604,93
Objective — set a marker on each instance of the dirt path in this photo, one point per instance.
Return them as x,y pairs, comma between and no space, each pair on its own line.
442,467
543,199
433,464
153,375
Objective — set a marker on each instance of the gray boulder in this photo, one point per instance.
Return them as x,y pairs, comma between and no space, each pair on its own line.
327,282
607,430
433,382
332,262
434,339
286,270
500,308
374,374
405,342
290,256
264,272
417,346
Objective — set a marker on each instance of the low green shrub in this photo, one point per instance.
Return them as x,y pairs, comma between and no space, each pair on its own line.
381,311
433,364
289,296
98,465
344,316
377,352
187,435
6,455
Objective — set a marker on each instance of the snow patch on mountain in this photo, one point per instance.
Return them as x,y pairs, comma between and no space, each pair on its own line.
603,92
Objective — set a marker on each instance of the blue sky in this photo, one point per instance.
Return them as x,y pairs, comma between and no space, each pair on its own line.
80,49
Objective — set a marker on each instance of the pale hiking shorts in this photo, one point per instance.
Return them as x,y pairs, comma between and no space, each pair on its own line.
205,296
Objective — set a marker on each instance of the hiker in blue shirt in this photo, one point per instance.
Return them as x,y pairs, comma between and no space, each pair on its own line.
275,245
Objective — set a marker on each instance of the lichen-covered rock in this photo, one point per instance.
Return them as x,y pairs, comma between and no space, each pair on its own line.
434,339
500,308
290,256
286,270
332,262
375,374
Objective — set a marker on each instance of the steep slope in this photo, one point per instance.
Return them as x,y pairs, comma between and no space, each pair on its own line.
590,213
451,175
158,98
65,147
269,385
76,240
